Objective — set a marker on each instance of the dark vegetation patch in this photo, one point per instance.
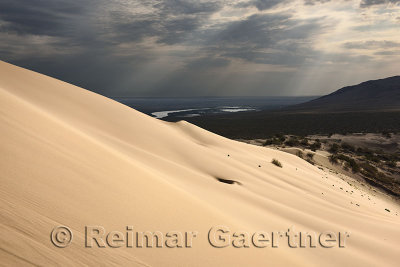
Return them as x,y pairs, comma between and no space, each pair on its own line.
310,155
310,161
277,140
293,141
377,167
334,149
350,163
276,163
369,164
348,148
264,124
382,187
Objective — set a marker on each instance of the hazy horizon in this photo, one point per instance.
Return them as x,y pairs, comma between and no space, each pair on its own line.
218,96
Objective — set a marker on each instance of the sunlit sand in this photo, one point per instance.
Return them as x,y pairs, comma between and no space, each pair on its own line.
72,157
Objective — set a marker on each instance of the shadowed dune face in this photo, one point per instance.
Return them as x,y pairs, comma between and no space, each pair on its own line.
71,157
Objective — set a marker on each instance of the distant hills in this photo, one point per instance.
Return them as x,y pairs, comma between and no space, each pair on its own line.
370,107
383,94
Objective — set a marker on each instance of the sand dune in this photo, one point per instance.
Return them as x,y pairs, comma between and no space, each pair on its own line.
72,157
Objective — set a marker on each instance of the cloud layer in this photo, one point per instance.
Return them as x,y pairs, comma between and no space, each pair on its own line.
206,47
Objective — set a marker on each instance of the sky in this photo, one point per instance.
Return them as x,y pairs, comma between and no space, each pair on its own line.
204,47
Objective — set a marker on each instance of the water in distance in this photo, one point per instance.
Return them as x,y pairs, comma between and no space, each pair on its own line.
183,107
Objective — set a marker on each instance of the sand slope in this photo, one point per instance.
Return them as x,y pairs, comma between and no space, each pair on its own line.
71,157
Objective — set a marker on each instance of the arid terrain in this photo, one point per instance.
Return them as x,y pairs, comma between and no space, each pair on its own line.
371,159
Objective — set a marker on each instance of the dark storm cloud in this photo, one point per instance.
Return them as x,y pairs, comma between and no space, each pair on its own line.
92,35
166,30
40,17
164,47
371,45
205,63
266,4
313,2
363,3
283,36
368,3
178,7
387,53
256,30
170,22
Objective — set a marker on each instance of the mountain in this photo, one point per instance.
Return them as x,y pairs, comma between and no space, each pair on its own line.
383,94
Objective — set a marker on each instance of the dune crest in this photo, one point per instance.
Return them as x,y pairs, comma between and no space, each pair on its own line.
72,157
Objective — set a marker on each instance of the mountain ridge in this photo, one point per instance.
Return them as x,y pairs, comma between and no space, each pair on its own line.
381,94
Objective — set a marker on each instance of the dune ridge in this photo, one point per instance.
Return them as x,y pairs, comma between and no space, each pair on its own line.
72,157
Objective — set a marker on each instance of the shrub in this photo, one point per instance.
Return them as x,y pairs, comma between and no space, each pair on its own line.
387,134
354,166
272,141
387,157
316,145
267,142
383,178
304,142
277,163
299,154
348,147
372,157
334,148
293,141
350,163
333,159
368,170
281,138
392,164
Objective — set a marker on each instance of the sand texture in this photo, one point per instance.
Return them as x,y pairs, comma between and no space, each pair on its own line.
72,157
